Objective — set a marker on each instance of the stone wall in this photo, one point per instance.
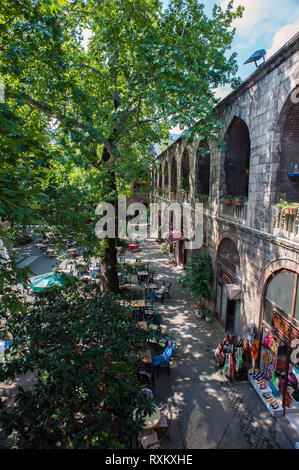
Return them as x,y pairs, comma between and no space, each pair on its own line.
262,102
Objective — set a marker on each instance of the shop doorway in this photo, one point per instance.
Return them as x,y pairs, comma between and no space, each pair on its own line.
227,306
230,316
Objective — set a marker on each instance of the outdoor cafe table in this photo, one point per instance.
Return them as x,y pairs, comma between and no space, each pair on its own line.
143,325
152,286
138,303
72,251
150,421
146,356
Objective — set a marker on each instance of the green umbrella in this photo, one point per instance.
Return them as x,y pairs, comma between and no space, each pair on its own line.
48,280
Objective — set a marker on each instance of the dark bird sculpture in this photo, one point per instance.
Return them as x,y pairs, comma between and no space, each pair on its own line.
260,54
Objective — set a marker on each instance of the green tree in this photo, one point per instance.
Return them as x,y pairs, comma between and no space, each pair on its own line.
144,71
83,347
199,275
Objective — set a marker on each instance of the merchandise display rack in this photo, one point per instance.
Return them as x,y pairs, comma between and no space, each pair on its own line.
279,410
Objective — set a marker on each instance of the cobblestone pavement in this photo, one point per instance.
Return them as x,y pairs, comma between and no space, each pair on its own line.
208,411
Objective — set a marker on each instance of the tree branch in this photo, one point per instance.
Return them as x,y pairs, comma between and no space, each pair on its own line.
50,112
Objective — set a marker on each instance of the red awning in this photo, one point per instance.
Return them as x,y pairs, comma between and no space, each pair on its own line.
174,236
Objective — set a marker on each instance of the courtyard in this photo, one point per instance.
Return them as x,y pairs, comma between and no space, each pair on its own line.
208,410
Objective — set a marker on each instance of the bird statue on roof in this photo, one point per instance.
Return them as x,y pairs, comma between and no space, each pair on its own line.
260,54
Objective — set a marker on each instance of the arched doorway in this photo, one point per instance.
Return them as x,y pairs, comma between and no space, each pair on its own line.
227,292
236,161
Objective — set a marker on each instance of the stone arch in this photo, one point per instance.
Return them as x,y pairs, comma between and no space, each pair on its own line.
228,303
229,235
202,169
185,171
270,271
236,159
273,267
286,151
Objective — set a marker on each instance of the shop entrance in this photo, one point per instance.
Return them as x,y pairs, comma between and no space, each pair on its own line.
227,306
230,316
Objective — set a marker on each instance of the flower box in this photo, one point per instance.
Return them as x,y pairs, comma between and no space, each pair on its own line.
227,201
291,210
238,202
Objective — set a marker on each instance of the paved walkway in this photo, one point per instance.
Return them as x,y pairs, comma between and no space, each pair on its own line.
209,412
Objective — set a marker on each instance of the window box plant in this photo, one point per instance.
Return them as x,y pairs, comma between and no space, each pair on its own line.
239,200
202,197
228,200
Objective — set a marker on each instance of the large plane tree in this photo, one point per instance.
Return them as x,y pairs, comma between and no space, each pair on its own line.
144,70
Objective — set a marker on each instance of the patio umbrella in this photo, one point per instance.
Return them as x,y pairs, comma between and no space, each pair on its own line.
48,280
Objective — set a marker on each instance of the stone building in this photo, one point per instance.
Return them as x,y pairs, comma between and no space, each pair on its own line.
254,243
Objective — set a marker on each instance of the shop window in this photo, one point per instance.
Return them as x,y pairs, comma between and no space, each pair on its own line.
236,161
268,309
185,172
202,170
280,291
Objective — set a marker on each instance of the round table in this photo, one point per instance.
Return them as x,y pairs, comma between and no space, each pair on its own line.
150,421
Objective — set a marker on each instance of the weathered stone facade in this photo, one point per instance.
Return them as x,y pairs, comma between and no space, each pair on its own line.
260,124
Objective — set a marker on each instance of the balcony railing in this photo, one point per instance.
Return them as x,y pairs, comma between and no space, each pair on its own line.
285,223
234,209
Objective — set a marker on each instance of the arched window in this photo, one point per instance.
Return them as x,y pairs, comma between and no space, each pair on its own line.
287,179
166,175
237,156
202,170
174,180
282,295
185,172
160,177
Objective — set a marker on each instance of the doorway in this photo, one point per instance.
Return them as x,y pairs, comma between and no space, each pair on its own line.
230,316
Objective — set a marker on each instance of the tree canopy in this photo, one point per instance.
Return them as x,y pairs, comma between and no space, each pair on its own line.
84,349
144,70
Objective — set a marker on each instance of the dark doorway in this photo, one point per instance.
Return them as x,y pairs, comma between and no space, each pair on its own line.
230,316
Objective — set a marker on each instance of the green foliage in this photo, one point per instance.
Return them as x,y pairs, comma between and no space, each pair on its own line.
199,275
83,348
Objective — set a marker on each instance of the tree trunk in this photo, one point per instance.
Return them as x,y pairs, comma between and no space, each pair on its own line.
109,262
109,269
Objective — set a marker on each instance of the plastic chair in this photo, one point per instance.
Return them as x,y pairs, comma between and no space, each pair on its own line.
168,286
165,420
164,364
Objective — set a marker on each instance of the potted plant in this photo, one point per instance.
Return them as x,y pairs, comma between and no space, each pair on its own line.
202,197
228,200
208,317
172,262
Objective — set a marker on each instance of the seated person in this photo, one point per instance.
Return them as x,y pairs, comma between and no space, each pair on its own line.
162,289
153,294
165,357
